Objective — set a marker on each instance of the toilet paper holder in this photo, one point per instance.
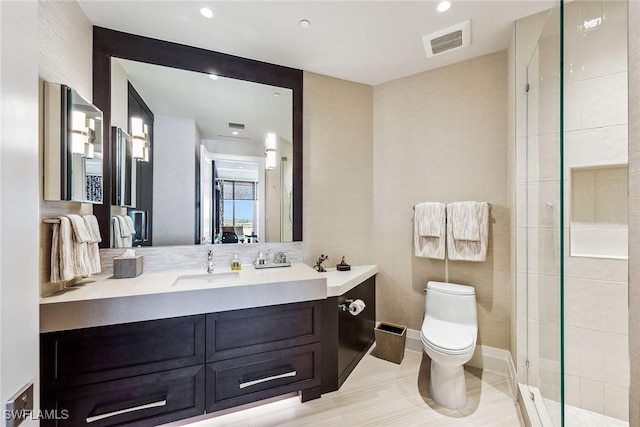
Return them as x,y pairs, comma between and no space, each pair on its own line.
354,307
345,305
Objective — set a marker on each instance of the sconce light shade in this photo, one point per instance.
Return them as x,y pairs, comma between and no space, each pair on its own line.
270,151
138,139
78,132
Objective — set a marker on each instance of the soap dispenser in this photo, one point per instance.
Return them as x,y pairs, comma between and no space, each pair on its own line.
235,263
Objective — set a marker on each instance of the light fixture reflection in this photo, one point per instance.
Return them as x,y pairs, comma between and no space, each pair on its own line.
270,151
78,132
138,138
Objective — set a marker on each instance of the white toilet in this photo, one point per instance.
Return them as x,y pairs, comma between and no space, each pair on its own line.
449,334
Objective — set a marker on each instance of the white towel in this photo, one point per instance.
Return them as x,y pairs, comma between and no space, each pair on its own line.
429,230
91,223
61,252
465,248
465,220
129,225
81,262
122,226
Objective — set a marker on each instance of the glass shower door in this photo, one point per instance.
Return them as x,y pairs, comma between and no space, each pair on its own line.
544,248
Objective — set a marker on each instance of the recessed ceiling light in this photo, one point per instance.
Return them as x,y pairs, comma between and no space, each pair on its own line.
443,6
213,77
304,24
206,12
234,132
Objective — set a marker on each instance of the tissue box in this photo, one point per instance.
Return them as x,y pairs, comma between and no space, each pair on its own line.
124,267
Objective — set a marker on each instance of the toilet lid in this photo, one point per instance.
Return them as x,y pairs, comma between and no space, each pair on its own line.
448,337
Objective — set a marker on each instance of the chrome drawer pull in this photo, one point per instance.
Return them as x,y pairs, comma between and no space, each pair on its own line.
124,411
264,380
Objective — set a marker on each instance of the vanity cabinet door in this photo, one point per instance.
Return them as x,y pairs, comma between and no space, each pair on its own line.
238,333
92,355
145,400
247,379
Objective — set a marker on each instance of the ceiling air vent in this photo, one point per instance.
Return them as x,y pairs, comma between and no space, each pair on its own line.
236,126
452,38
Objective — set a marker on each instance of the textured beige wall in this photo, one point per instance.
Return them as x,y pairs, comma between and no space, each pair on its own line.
337,170
634,213
65,38
442,136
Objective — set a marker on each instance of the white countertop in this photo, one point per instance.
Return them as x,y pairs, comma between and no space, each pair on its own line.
102,300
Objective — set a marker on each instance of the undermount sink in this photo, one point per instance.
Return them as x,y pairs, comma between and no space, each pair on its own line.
206,277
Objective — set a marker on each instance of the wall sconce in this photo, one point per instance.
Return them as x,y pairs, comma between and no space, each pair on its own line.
138,139
89,149
78,132
147,145
270,151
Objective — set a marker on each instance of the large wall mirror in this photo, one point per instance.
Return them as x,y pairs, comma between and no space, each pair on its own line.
222,114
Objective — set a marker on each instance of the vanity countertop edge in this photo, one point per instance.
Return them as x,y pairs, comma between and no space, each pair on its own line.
103,300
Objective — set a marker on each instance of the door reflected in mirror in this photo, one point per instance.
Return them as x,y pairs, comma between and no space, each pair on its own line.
203,130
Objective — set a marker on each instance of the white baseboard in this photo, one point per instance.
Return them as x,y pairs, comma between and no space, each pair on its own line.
485,357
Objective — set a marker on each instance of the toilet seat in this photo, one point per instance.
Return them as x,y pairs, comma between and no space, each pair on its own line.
446,337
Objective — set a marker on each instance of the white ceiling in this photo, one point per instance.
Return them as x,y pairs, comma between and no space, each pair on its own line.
213,104
364,41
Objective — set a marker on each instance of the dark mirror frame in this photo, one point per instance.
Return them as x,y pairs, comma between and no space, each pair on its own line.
110,43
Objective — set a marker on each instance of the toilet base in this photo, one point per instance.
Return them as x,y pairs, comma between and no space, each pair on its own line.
447,385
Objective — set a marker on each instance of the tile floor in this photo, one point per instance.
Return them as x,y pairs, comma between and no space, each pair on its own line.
381,393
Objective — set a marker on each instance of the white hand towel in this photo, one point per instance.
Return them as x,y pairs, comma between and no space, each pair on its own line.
61,252
80,232
81,262
429,230
93,249
430,218
118,241
129,225
465,220
469,250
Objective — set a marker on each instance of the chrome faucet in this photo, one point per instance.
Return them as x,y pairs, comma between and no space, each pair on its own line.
210,262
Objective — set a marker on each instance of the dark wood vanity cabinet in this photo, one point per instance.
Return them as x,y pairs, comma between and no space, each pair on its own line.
153,372
142,373
346,338
263,352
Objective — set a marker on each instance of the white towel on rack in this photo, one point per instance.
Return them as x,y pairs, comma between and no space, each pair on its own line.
122,231
429,230
91,223
82,264
129,225
62,252
462,242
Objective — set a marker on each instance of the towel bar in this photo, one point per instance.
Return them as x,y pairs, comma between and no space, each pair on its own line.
51,220
490,206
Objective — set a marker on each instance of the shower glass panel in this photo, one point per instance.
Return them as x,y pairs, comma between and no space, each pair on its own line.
544,239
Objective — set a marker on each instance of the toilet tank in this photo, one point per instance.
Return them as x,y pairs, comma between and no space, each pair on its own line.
452,303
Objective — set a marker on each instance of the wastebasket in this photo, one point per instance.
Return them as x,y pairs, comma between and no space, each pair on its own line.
390,340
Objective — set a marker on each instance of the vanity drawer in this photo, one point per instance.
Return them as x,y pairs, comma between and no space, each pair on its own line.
260,376
255,330
85,356
145,400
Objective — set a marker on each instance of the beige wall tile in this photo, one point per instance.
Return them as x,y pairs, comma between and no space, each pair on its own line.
429,150
338,170
634,212
65,38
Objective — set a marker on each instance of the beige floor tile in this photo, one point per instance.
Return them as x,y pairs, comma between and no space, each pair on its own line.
382,393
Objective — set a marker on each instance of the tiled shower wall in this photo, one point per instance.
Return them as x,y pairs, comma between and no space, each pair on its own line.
596,326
